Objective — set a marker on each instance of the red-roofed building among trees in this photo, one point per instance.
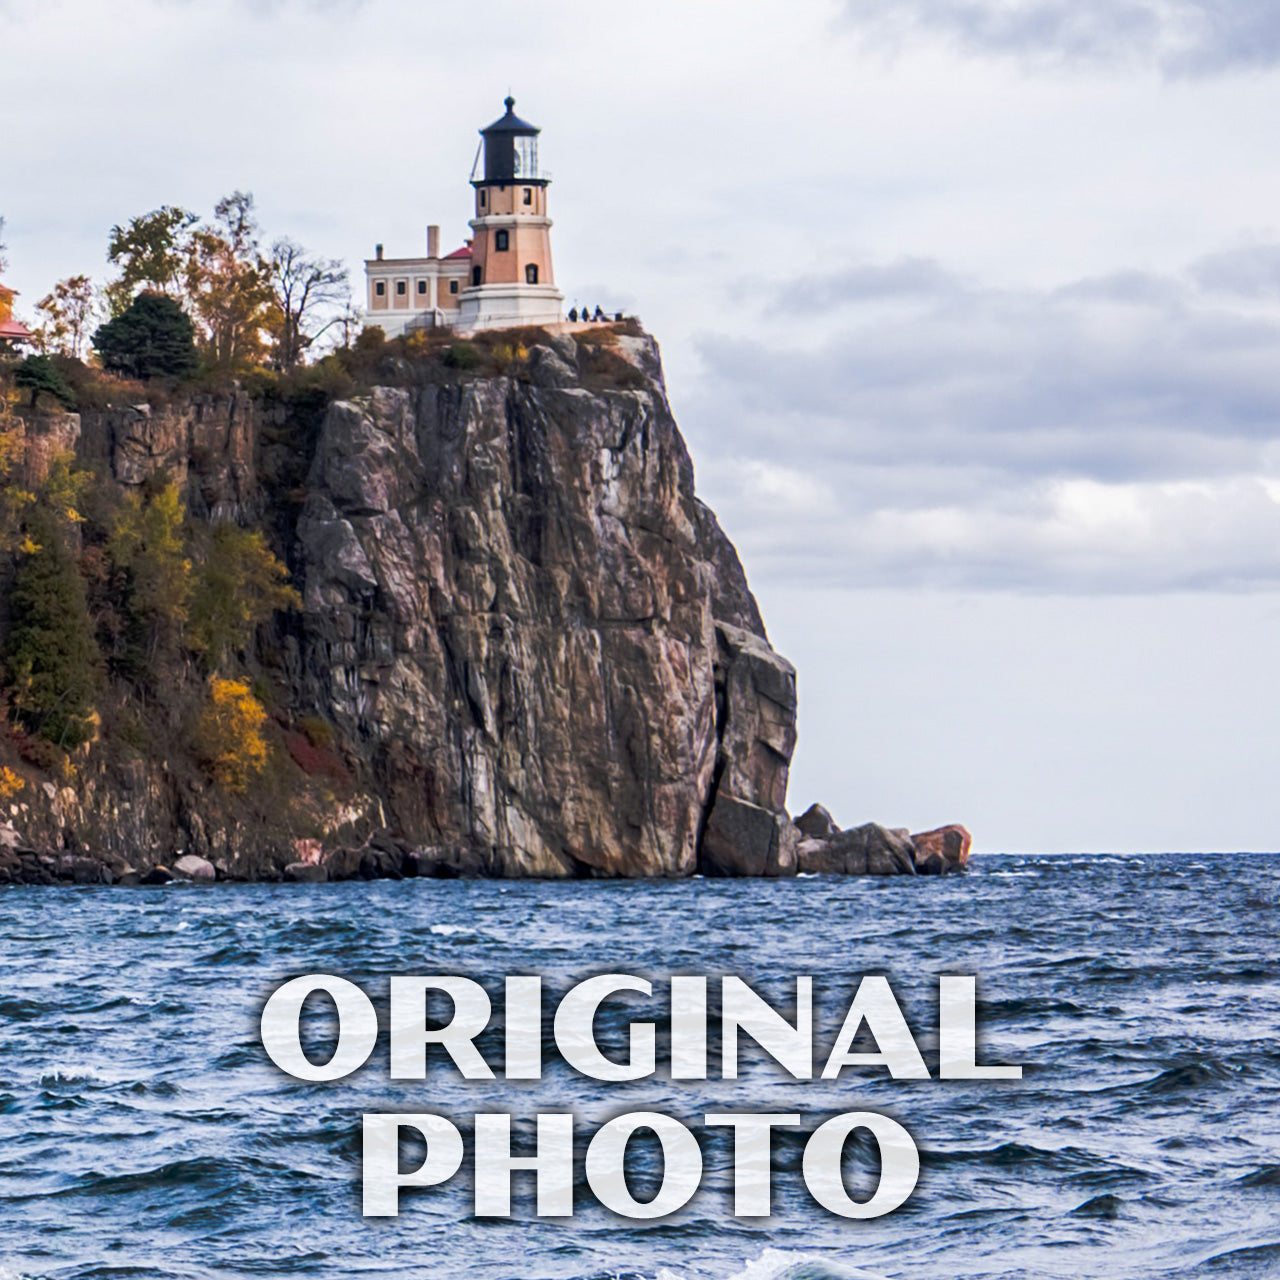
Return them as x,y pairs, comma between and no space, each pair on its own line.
11,331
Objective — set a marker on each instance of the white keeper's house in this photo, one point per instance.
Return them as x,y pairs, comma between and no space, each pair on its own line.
502,276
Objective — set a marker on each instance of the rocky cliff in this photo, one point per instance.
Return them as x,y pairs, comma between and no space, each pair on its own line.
534,650
524,647
517,610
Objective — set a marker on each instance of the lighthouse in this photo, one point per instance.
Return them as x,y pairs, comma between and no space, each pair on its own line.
511,280
502,276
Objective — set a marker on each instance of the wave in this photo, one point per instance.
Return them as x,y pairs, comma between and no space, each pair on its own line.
1250,1262
783,1264
18,1009
1103,1206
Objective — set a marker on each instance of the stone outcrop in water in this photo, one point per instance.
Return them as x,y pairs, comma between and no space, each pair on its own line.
873,850
531,649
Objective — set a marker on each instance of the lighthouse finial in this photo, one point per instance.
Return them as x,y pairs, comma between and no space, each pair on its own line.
510,103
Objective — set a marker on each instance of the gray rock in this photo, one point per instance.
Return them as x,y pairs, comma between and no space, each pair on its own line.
744,839
867,850
80,870
756,702
816,823
548,366
191,867
306,873
365,863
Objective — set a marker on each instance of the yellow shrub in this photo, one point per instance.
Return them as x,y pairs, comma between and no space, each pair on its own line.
10,784
229,734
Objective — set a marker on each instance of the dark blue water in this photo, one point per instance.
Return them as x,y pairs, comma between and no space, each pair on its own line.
143,1132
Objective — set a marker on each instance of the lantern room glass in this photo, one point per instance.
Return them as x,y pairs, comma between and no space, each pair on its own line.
526,156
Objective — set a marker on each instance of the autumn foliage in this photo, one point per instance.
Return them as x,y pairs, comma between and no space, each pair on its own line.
229,734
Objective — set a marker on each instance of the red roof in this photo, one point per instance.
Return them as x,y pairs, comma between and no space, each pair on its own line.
13,330
464,252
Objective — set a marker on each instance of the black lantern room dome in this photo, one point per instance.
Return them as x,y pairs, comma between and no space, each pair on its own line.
510,150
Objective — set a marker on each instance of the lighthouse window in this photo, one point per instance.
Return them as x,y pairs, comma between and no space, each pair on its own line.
531,273
475,276
528,195
501,241
400,288
453,286
380,289
422,286
483,198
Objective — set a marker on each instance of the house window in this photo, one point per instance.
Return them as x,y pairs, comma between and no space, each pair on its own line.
380,289
531,273
501,241
528,195
475,276
422,286
453,286
399,288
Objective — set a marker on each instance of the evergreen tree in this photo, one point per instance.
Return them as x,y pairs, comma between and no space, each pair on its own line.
50,657
152,338
37,374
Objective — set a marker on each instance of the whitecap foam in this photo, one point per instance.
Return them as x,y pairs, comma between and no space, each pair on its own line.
783,1264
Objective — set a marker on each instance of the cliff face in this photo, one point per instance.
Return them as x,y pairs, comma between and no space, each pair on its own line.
536,650
516,607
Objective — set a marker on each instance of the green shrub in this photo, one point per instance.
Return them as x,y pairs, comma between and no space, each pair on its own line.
462,355
317,730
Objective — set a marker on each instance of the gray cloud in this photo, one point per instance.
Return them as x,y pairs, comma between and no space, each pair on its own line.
1252,272
907,278
1121,433
1180,37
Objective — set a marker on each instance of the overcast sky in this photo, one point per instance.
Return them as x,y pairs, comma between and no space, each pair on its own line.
970,309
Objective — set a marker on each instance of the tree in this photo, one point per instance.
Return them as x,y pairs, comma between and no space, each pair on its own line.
306,289
69,310
14,499
239,585
37,374
229,734
148,541
50,656
229,284
152,252
4,249
152,338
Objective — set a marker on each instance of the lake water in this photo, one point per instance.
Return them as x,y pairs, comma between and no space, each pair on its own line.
145,1133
